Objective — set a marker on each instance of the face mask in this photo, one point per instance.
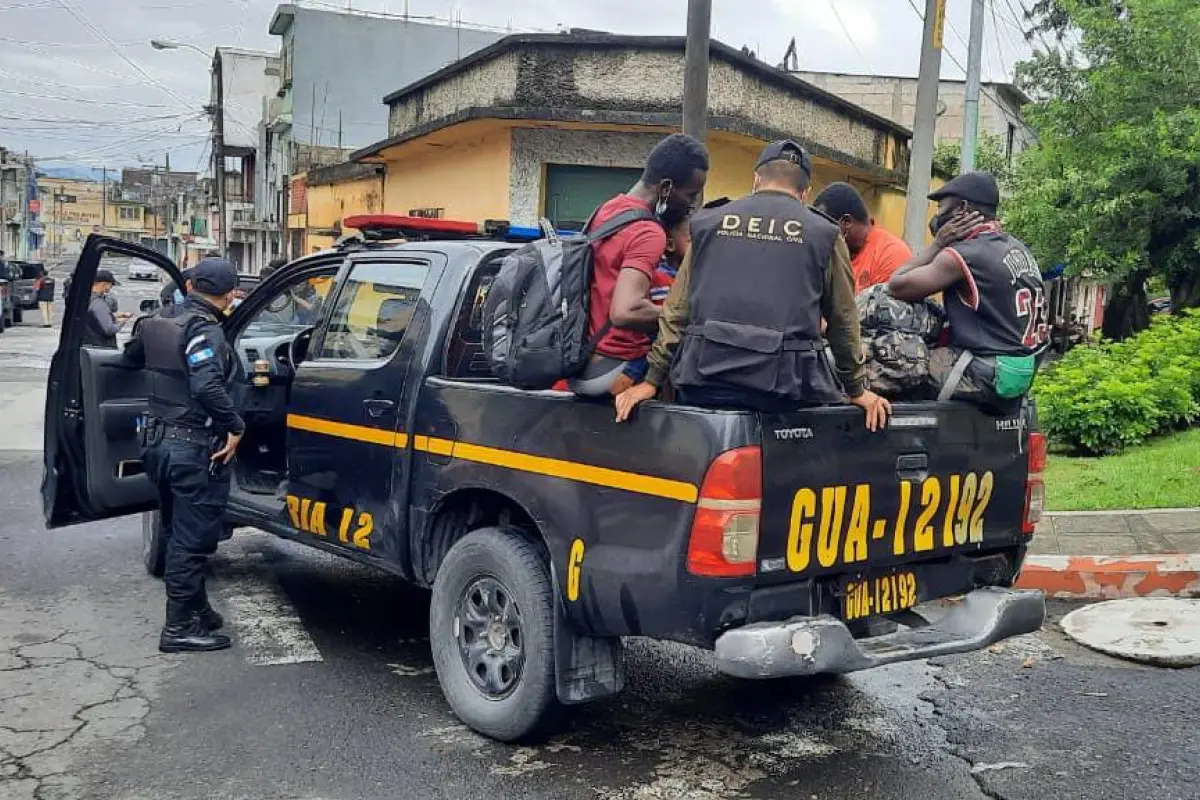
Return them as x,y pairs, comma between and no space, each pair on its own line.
177,297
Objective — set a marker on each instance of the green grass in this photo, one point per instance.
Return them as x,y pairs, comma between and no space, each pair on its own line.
1164,473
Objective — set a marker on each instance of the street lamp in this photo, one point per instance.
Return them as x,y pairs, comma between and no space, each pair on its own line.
218,128
168,44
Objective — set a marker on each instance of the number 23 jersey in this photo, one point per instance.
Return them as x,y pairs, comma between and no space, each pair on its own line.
999,306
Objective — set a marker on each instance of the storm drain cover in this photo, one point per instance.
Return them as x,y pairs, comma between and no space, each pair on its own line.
1163,631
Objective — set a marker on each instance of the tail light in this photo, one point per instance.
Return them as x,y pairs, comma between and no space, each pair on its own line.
1035,488
724,539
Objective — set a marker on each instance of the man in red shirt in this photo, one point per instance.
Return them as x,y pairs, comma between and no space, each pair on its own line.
625,262
875,252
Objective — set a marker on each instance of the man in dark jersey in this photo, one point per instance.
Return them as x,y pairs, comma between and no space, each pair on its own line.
993,295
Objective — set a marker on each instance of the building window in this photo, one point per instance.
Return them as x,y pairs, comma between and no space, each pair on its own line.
128,213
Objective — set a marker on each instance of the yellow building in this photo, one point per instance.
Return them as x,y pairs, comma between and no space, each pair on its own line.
552,125
73,209
322,197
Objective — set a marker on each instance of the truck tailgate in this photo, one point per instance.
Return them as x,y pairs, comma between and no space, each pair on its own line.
943,478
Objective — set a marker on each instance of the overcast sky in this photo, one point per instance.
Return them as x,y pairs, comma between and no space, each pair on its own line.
80,84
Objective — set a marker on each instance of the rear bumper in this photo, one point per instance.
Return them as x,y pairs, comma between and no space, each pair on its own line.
823,644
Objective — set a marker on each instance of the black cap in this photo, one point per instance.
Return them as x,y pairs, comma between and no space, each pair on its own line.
105,276
786,150
974,187
214,277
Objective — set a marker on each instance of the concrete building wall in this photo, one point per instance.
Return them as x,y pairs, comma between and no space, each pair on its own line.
246,83
608,81
348,62
896,99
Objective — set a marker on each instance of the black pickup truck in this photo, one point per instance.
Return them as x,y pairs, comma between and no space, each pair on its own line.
789,544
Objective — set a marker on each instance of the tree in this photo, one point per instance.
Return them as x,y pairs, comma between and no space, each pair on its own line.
1113,188
989,157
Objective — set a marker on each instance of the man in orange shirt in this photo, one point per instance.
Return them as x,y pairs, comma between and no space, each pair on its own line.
875,253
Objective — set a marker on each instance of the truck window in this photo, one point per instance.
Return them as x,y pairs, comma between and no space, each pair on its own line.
465,358
373,309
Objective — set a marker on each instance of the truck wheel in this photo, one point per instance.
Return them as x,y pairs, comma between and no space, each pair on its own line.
154,544
491,628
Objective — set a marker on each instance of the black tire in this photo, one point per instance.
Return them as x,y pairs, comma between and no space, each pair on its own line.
154,544
504,570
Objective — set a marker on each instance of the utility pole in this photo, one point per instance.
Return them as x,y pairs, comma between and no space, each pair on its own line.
695,69
170,207
971,105
103,200
219,153
920,164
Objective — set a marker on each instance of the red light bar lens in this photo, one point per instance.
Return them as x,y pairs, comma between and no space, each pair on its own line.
391,222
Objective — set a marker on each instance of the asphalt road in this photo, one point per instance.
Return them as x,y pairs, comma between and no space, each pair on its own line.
330,693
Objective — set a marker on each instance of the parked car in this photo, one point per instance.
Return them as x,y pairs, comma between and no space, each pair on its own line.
24,287
142,271
1160,305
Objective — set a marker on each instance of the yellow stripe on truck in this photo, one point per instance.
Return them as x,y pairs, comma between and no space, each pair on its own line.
342,430
509,459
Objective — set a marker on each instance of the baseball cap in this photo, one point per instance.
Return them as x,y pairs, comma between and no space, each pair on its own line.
974,187
786,150
214,276
105,276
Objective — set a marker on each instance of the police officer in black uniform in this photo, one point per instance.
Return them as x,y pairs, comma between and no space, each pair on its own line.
742,325
191,434
992,291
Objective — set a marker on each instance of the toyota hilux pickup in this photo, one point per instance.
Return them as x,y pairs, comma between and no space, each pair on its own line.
787,544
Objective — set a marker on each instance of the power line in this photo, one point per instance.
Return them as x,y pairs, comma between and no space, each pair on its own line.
85,101
101,35
846,31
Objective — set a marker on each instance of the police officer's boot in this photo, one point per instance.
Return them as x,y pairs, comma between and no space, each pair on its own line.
210,619
185,633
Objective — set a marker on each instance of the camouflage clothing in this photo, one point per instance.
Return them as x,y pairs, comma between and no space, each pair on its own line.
896,339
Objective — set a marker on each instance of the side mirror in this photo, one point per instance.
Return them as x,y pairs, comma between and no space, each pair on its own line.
149,306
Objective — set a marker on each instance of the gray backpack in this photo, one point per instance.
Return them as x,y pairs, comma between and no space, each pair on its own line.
535,318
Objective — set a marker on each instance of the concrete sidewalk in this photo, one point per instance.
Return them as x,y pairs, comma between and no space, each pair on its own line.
1107,555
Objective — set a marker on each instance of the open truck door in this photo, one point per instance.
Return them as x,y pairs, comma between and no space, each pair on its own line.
93,461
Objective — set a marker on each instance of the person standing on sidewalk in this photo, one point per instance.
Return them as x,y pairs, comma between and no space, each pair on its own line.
45,297
189,438
103,321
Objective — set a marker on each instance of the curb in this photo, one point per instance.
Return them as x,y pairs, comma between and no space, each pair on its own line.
1112,577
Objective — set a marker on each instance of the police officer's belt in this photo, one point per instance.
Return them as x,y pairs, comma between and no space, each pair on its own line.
190,435
788,344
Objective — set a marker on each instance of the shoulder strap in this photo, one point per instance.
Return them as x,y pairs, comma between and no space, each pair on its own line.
618,222
956,375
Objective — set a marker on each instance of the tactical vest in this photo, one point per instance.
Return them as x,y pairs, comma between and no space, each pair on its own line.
757,277
163,337
1000,307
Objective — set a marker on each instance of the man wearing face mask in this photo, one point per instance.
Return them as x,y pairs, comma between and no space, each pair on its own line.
191,434
993,295
741,326
621,311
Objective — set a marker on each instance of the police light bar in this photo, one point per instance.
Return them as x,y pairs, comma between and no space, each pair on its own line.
385,227
396,226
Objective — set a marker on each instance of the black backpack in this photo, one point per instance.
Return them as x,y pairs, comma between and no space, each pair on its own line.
535,318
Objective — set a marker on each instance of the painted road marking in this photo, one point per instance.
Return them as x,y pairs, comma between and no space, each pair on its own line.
260,617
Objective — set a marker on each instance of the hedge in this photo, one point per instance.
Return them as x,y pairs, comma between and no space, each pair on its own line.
1106,396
